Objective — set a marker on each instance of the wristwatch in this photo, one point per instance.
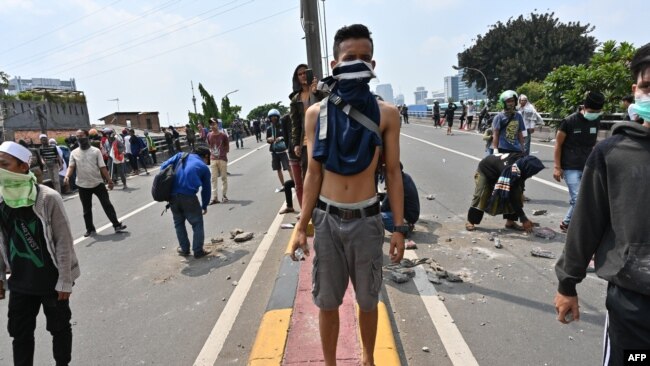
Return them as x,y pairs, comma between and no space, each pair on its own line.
402,229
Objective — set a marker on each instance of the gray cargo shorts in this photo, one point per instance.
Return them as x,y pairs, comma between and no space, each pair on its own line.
347,250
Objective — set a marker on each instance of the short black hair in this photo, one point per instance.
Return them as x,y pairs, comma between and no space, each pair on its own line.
628,98
355,31
640,61
202,151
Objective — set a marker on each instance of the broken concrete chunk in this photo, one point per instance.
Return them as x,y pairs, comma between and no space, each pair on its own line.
431,197
442,274
410,245
216,240
544,233
243,237
539,212
497,243
235,232
406,263
539,252
406,271
453,277
433,278
399,277
425,349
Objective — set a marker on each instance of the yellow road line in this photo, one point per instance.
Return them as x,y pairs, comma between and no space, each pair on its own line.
271,339
385,346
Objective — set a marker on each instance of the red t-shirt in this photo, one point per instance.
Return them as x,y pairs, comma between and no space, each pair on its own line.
219,146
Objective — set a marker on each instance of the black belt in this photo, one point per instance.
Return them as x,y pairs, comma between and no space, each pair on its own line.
347,214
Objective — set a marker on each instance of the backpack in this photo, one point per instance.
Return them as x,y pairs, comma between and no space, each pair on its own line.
163,182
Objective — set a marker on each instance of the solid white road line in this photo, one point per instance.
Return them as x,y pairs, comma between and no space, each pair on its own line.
453,341
543,181
222,327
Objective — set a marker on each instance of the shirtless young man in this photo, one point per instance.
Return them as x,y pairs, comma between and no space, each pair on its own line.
342,197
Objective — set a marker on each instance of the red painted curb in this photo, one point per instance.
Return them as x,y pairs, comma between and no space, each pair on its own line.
303,343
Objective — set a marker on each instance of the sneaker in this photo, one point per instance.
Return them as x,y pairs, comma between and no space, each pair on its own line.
89,233
120,228
201,254
182,253
278,190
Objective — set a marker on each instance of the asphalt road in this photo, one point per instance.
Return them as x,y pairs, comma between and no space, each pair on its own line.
137,302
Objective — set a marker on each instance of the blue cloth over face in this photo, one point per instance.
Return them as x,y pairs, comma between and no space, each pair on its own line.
348,147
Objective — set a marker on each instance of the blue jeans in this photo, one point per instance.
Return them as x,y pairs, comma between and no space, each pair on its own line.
572,179
188,208
238,137
387,218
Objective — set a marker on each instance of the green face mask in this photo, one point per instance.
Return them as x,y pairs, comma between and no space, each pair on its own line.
17,190
592,116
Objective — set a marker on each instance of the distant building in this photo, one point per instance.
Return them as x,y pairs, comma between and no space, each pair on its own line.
468,92
451,88
18,84
439,96
139,120
386,92
420,95
399,99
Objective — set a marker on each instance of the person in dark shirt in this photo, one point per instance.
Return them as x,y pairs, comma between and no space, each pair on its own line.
436,114
52,160
411,205
499,189
449,117
574,141
278,137
36,246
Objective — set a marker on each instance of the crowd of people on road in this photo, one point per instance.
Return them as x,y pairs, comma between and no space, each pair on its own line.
337,143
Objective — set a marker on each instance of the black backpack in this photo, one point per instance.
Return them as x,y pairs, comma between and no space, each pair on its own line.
163,182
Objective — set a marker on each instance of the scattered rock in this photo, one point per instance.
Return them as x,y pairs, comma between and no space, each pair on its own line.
441,298
539,252
227,278
216,240
497,243
286,226
453,277
433,278
411,245
539,212
448,240
223,299
406,271
442,274
483,324
163,248
235,232
474,241
425,349
244,237
492,235
431,197
235,283
570,338
544,233
399,277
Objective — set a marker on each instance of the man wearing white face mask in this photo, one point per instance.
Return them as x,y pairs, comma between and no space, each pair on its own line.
609,225
36,246
575,139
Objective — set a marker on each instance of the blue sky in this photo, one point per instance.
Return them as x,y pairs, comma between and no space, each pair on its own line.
146,52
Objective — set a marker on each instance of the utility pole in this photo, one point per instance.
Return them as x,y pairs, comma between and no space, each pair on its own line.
309,16
193,97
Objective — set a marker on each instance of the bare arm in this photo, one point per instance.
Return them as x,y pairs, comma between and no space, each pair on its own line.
557,155
495,138
390,134
522,140
312,183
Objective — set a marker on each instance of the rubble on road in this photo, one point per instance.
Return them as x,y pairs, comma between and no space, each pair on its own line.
539,212
410,245
216,240
539,252
235,232
431,197
244,237
399,277
544,233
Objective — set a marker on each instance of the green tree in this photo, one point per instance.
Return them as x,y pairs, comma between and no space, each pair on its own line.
607,72
262,110
524,49
228,112
210,109
4,81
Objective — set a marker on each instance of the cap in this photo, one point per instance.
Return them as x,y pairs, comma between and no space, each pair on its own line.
594,100
42,135
107,130
16,150
50,141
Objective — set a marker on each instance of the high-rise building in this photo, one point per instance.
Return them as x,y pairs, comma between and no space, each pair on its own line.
451,88
18,84
399,99
421,95
385,91
468,92
439,96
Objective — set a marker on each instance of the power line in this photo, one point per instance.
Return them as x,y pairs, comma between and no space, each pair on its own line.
37,57
192,43
57,29
158,35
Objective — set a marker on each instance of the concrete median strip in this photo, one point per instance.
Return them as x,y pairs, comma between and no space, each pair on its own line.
274,341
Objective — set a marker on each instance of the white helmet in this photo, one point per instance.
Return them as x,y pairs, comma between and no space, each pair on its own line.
273,112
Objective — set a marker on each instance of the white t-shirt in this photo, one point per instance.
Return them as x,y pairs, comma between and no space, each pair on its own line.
87,163
127,144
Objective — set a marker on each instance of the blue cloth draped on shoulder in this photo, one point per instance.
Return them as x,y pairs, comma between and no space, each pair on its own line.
348,147
521,170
